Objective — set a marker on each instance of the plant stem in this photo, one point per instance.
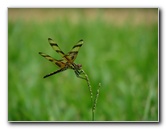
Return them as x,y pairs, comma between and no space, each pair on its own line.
90,90
91,94
95,100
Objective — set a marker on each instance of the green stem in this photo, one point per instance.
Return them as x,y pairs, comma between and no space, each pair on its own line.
90,90
95,100
91,95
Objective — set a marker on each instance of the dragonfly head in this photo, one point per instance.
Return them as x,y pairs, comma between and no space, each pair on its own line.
79,66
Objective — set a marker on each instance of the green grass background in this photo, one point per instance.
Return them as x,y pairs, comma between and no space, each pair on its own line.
120,53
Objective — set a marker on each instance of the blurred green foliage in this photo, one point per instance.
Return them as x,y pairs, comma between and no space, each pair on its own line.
124,58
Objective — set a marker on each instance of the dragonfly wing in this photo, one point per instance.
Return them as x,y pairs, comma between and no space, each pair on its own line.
73,53
59,63
55,46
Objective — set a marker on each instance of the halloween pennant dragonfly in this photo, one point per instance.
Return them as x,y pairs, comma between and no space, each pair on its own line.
67,61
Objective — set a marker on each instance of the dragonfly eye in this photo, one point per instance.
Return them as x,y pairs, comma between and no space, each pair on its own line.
79,66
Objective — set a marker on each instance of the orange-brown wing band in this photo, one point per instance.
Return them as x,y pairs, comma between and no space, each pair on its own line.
59,63
73,53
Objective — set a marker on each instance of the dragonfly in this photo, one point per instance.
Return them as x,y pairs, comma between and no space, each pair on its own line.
67,61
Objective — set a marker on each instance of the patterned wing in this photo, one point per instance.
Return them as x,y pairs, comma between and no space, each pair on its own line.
55,46
73,53
59,63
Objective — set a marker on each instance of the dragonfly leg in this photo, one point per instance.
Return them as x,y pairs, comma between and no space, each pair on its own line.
78,75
